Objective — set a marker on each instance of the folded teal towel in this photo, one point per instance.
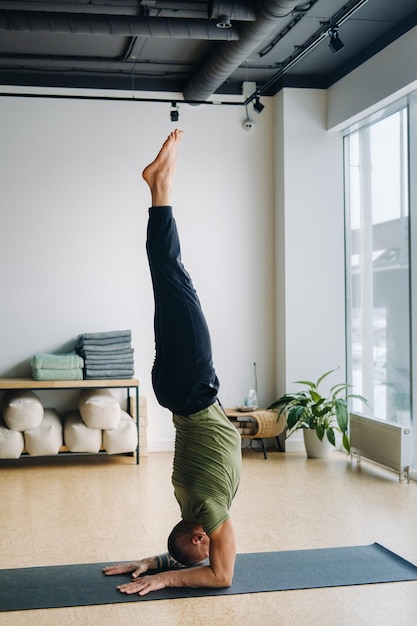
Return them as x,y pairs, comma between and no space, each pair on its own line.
75,373
63,361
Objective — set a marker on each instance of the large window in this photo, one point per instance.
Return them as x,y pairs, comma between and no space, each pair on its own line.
378,268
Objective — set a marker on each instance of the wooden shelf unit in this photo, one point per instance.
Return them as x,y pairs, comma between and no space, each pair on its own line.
10,384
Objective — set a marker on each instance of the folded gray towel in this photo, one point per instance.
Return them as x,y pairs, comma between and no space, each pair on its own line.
84,343
109,374
113,334
95,347
107,365
113,377
103,339
105,355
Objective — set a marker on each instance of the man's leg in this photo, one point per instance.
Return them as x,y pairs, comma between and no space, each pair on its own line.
183,376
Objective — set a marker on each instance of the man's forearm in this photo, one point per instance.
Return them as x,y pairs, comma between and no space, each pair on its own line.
203,576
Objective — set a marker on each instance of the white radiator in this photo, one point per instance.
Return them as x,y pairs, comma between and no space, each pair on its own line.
386,443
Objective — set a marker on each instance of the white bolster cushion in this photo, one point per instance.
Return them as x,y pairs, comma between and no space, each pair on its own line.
99,408
11,442
22,410
122,439
47,438
80,438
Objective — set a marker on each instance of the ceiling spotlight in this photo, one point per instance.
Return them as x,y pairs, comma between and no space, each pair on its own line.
335,43
223,21
174,113
258,106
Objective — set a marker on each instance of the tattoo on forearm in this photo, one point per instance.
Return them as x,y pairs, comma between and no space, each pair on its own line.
166,561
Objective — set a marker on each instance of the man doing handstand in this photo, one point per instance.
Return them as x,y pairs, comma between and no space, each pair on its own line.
207,458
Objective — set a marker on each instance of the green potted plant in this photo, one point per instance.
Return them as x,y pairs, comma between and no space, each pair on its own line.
318,415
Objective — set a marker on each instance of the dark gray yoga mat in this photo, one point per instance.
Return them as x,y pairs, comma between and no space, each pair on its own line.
83,585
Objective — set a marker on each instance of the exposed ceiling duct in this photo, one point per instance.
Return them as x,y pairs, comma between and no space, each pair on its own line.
193,47
237,10
241,11
226,58
84,24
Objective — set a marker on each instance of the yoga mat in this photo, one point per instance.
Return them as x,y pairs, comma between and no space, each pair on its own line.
83,585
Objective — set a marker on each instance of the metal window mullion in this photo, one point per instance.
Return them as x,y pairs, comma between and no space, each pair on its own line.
366,263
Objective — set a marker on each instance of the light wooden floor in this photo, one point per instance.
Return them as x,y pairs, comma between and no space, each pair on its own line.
108,509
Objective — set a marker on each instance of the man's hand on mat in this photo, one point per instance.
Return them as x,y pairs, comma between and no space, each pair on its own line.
138,568
144,585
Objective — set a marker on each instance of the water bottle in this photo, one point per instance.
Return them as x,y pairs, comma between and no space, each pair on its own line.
251,400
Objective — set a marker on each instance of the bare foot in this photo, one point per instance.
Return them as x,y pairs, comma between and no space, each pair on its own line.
159,174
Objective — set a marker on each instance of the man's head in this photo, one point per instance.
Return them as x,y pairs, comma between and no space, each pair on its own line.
188,543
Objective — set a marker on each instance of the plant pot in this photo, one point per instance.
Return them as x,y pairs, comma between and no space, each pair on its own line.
315,448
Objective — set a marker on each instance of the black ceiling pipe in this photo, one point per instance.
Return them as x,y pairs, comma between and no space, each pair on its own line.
226,58
239,11
121,25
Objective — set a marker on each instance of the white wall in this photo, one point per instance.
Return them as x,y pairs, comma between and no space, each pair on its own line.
74,212
385,77
310,243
